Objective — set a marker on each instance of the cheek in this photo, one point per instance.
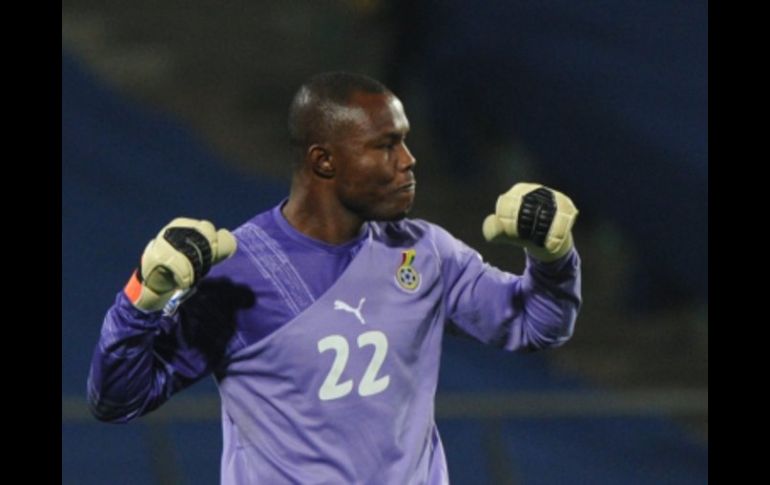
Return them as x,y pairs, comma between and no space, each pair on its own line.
373,172
382,168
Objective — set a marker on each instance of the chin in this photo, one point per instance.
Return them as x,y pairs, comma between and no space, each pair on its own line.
399,216
390,215
393,209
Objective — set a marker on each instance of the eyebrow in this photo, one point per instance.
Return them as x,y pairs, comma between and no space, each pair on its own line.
393,135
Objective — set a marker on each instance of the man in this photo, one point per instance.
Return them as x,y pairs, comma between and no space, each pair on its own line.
323,317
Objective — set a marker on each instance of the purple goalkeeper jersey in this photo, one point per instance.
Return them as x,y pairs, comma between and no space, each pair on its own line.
327,357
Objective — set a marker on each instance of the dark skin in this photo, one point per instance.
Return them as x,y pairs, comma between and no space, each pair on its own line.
363,173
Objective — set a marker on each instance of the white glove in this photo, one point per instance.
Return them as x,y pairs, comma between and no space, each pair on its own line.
177,259
535,217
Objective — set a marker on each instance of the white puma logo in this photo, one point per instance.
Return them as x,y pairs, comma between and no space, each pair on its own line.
341,305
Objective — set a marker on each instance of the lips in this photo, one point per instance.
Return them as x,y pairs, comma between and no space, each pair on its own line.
407,187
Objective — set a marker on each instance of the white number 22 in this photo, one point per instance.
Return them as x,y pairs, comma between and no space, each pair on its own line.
370,384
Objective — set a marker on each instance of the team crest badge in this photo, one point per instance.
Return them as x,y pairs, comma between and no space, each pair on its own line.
406,276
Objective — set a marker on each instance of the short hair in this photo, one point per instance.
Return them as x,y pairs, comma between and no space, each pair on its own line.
315,110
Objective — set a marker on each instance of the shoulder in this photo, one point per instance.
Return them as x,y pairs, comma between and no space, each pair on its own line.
254,236
264,221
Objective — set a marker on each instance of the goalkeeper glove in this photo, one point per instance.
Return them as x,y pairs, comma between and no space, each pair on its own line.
178,258
535,217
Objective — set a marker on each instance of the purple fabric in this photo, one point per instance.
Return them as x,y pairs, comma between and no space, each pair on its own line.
327,358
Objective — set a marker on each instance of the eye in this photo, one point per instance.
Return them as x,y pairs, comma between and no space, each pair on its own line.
391,143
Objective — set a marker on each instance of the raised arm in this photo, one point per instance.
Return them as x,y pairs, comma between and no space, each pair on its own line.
531,311
145,353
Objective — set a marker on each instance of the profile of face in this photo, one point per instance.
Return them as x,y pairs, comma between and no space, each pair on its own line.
373,174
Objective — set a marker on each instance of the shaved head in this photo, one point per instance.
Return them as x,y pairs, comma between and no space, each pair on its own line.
320,106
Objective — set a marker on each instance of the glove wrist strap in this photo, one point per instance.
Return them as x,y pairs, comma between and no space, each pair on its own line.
143,297
543,255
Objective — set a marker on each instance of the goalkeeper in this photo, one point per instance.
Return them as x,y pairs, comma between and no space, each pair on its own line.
321,319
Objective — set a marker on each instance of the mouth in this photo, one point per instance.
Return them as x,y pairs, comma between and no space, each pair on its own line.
407,187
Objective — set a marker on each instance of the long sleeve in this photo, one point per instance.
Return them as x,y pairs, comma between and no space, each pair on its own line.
532,311
142,359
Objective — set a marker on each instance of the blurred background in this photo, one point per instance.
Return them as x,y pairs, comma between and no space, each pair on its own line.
174,107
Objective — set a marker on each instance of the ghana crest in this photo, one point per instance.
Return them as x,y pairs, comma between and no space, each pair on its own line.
407,277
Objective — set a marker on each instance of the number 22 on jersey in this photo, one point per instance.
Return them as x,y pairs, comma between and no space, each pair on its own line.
370,383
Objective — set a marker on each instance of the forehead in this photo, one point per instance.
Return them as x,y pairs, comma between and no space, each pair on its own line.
378,113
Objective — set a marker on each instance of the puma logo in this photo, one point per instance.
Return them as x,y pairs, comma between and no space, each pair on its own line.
341,305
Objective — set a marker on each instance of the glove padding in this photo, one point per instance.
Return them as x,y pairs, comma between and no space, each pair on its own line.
178,258
535,217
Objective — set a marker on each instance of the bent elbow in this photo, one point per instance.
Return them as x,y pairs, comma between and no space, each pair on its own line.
563,338
566,330
109,414
554,337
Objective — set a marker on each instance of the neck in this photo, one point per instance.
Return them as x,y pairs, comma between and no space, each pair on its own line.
315,214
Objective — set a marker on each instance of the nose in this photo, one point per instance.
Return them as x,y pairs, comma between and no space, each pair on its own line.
407,159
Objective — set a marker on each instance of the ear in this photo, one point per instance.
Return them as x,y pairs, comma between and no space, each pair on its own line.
320,160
